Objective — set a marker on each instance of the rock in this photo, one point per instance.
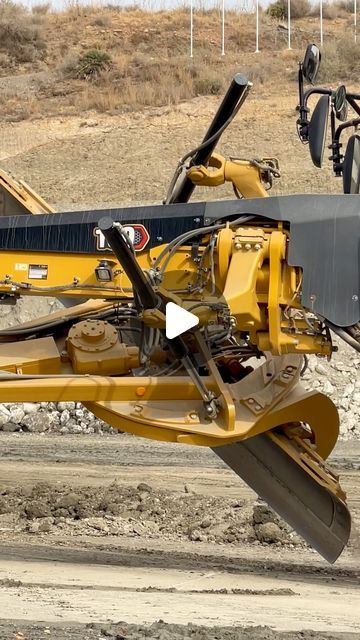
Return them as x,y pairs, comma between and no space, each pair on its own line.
319,368
33,527
269,532
66,406
65,416
37,509
144,487
37,422
328,388
64,430
262,514
10,427
69,501
17,413
4,506
4,415
197,536
30,407
206,523
44,524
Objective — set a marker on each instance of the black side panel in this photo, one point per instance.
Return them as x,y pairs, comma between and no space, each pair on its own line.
74,232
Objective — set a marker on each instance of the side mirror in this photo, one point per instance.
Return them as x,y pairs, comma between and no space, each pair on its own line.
351,166
311,63
340,103
317,130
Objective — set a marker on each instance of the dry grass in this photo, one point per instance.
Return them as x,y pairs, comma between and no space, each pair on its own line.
20,34
340,61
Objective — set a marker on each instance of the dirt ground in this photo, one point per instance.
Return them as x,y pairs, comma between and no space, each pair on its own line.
131,533
130,158
96,530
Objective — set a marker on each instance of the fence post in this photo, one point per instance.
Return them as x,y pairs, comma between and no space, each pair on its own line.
355,19
191,27
289,24
223,28
321,23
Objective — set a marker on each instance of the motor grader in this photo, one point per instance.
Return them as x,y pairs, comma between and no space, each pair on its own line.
267,280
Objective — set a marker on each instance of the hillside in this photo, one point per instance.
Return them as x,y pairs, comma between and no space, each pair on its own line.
115,59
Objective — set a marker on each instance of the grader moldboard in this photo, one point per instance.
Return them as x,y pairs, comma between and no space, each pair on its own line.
267,278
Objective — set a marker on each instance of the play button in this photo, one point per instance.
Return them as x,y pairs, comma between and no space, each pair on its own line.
178,320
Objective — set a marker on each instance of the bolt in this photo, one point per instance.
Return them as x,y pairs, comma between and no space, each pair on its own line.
159,239
193,416
207,220
257,247
237,245
257,407
251,401
355,297
196,219
248,246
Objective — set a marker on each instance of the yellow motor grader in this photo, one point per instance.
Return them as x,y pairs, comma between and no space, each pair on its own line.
191,322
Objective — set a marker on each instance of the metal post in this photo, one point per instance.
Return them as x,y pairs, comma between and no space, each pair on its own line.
223,28
321,23
289,24
191,27
355,19
257,27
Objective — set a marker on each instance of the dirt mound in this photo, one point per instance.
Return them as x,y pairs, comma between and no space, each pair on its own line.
140,511
157,631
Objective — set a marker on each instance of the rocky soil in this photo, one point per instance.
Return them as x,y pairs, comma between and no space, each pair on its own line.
157,631
140,512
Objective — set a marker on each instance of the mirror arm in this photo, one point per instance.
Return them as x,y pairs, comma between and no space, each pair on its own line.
336,145
345,125
302,121
318,90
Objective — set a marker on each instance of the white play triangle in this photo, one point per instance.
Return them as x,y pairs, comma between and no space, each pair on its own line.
178,320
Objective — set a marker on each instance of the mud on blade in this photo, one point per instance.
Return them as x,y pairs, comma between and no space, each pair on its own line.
312,510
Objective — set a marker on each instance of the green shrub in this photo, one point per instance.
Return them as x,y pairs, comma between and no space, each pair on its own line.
279,9
92,63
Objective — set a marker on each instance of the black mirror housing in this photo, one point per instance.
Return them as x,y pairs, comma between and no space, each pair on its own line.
311,63
340,103
317,131
351,166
